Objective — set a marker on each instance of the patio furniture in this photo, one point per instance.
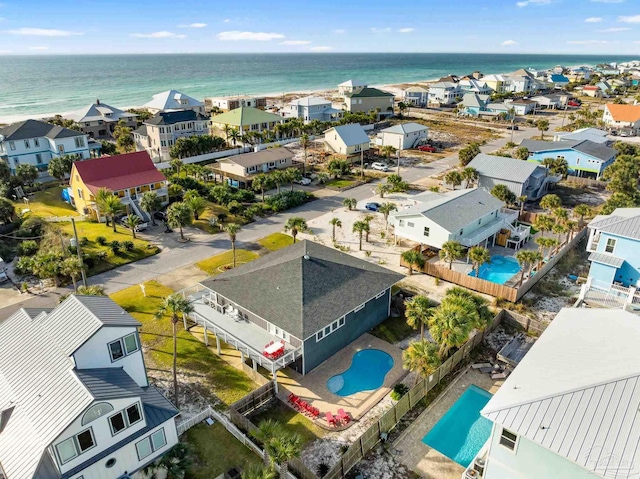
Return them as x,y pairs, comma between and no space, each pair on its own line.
343,416
330,419
272,349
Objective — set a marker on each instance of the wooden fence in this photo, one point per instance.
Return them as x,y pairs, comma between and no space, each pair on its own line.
530,325
255,399
586,182
528,217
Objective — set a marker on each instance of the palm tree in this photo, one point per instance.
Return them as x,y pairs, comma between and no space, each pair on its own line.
349,203
179,215
234,134
525,259
360,227
72,267
386,209
196,202
550,202
522,200
296,224
258,471
383,188
422,358
132,221
101,197
582,210
480,313
469,176
278,177
479,256
262,182
451,251
282,449
174,305
112,207
453,178
266,431
417,311
335,223
571,227
543,223
292,175
542,125
414,259
450,326
150,203
387,151
232,229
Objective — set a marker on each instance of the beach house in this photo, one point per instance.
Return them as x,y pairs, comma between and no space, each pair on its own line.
312,108
172,100
473,104
498,83
444,93
592,134
350,86
471,85
239,170
584,157
564,412
129,176
470,216
558,80
369,99
99,120
244,120
159,133
403,136
522,106
34,142
310,299
348,140
228,103
622,117
75,400
614,244
416,95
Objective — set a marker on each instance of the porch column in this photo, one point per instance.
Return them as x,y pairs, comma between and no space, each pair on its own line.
206,337
184,321
242,356
218,345
275,381
255,365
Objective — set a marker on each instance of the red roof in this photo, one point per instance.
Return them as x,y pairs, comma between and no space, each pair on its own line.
591,87
119,172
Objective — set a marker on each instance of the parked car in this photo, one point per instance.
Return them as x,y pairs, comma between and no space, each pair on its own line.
429,148
304,181
513,127
143,225
379,166
372,206
625,133
573,103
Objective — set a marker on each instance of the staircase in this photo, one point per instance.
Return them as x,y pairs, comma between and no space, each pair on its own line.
136,208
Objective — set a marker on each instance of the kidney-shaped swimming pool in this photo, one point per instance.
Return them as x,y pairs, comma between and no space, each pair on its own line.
366,373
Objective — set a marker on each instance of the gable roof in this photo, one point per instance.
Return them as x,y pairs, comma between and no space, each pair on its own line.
353,83
118,172
455,209
24,130
415,89
351,134
617,224
244,116
558,78
597,150
404,128
566,398
503,168
368,92
99,111
626,113
170,100
173,117
592,134
587,147
259,157
304,287
310,101
475,100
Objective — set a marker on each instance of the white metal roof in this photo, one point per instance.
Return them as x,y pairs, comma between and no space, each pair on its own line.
404,128
508,169
98,111
577,391
352,83
310,101
171,100
351,134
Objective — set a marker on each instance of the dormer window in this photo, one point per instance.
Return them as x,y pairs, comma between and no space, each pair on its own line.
125,418
123,347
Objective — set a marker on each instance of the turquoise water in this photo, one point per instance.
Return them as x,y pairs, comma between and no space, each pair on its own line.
366,373
500,270
462,432
38,85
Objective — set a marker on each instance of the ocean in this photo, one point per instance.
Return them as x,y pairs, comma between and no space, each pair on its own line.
44,85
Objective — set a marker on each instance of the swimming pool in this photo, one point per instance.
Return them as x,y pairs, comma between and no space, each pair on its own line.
499,270
461,432
367,372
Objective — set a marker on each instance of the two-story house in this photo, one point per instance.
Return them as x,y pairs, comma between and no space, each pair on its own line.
564,412
348,140
313,108
470,216
622,117
34,142
350,86
471,85
416,95
244,120
228,103
75,400
614,244
444,93
99,120
592,134
584,157
173,100
369,99
498,83
128,176
160,132
239,170
403,136
474,104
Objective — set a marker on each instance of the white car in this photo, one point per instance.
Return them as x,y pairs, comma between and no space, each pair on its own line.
379,166
304,181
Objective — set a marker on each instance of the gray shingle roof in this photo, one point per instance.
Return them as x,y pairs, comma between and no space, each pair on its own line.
587,147
618,225
597,150
303,295
535,146
606,259
36,129
108,383
503,168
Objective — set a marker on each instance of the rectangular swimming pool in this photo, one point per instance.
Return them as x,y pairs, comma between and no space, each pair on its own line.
462,432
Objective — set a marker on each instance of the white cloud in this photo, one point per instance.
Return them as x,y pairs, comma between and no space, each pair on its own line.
193,25
629,19
161,34
227,20
321,49
587,42
407,30
508,43
43,32
593,20
533,2
295,42
614,29
39,48
607,1
380,30
339,32
236,35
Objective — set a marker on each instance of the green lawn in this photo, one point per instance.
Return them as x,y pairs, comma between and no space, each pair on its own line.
48,203
212,265
276,241
92,230
213,210
291,421
221,380
339,183
393,330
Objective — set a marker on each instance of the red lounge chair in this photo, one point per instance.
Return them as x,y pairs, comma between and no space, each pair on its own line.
343,416
330,419
291,397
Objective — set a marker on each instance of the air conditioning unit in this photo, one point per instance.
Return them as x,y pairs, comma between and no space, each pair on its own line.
478,465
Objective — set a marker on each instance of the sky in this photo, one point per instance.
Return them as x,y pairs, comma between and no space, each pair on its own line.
200,26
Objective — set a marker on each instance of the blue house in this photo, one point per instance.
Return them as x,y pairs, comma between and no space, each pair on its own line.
614,243
585,158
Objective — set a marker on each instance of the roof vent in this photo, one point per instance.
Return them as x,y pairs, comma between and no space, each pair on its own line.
306,256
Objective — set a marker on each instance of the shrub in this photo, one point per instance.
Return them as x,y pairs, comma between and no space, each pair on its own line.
33,226
128,245
102,255
234,207
287,199
89,260
189,184
72,249
244,196
222,217
221,194
101,240
24,265
323,469
27,248
399,390
84,241
253,211
115,246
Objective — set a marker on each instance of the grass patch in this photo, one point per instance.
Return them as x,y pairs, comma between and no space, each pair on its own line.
212,210
393,330
339,183
212,265
291,421
48,203
194,359
276,241
91,231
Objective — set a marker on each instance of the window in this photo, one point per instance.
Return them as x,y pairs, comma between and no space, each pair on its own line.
125,418
66,450
130,343
36,142
96,411
16,160
38,158
61,149
341,322
12,145
116,350
327,330
577,161
410,224
143,448
74,446
26,144
611,245
401,222
381,294
508,439
426,231
158,440
319,335
151,443
80,193
117,423
110,463
480,221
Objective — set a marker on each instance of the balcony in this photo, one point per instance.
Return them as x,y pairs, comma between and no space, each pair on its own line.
505,218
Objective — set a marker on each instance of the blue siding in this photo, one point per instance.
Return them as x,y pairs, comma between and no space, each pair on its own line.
625,248
356,324
602,272
577,160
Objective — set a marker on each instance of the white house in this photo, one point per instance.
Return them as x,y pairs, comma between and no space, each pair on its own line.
592,134
36,142
403,136
444,92
172,100
622,117
313,108
75,401
350,86
469,216
99,120
416,95
570,408
348,140
471,85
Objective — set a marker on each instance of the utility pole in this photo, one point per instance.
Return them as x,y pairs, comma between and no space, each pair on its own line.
362,163
399,148
79,251
566,105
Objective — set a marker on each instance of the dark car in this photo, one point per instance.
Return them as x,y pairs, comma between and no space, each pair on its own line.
372,206
514,127
160,215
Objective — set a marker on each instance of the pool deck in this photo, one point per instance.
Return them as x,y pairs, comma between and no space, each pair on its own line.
422,459
312,388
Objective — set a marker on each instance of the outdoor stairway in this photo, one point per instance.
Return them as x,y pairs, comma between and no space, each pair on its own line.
142,214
